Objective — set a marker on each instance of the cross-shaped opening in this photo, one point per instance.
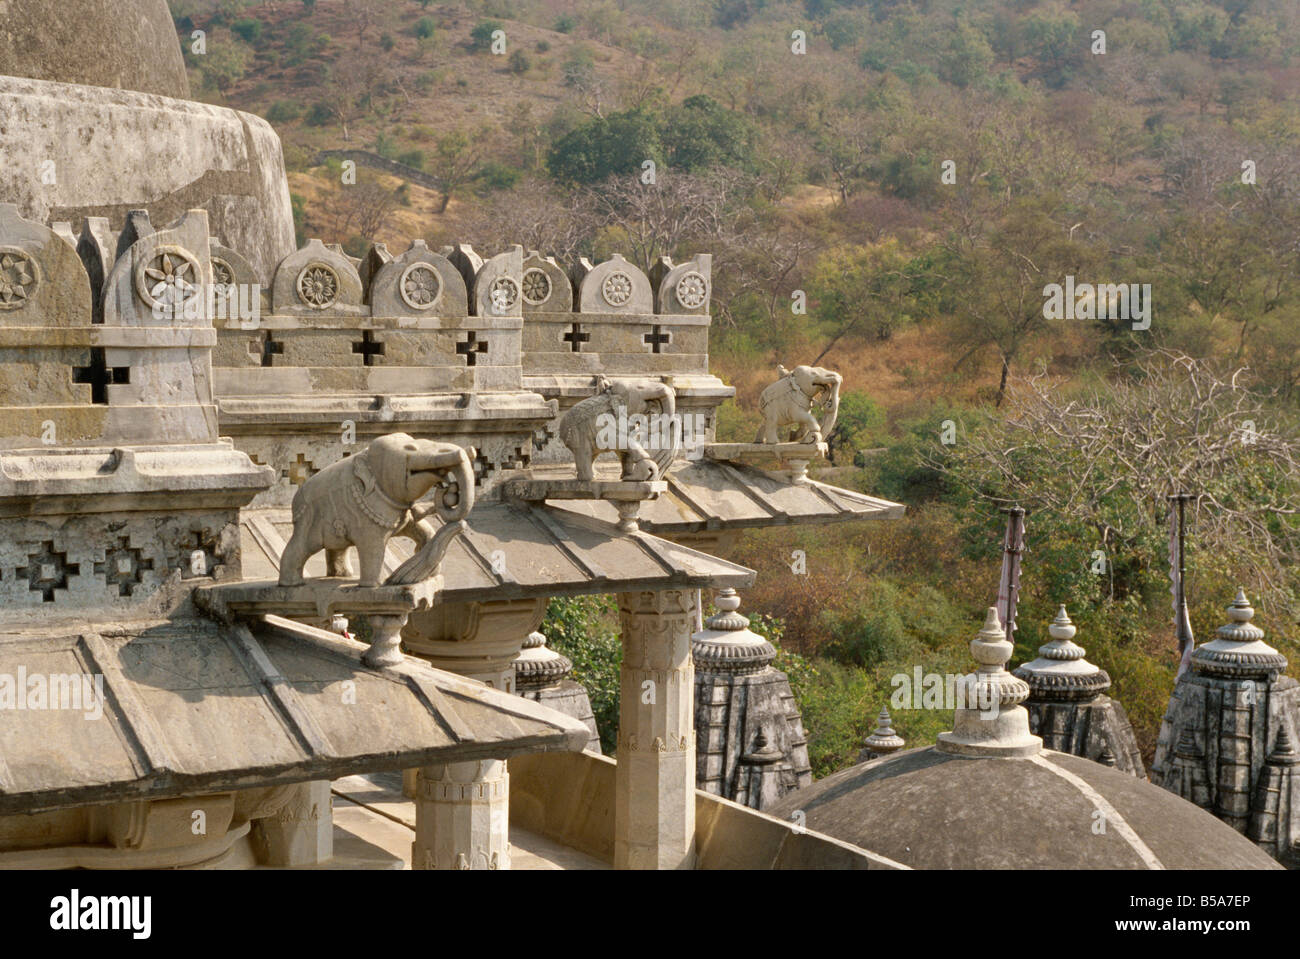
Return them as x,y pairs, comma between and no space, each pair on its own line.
123,566
47,571
100,375
369,348
471,348
576,337
271,348
300,470
200,558
657,338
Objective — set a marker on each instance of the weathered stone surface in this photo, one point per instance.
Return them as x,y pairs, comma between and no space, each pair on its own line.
1014,814
130,44
1067,708
1227,742
72,151
751,745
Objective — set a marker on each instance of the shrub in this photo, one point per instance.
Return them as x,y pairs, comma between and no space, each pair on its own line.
494,175
565,23
319,115
585,629
386,42
248,29
543,46
481,36
425,27
412,158
284,111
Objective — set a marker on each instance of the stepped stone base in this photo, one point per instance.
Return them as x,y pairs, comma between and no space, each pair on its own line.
569,697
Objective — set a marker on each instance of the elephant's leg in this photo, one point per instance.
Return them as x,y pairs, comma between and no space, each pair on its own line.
336,563
585,459
296,553
812,429
370,550
771,430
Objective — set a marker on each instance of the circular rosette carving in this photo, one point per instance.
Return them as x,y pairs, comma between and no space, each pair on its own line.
19,278
420,286
318,285
617,288
692,290
503,294
168,278
537,286
222,273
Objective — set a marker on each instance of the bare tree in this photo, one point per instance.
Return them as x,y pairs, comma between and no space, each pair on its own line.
365,210
1107,457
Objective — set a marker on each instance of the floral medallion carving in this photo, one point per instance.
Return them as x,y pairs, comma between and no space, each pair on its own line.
318,286
692,290
537,286
168,277
503,294
420,286
617,288
222,273
19,277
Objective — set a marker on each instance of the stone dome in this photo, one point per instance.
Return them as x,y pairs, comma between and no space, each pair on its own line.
934,810
989,796
129,44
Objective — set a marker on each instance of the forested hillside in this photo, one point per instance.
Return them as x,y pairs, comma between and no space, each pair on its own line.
887,188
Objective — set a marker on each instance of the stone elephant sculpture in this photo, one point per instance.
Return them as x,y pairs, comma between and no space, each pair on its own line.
367,498
789,403
637,419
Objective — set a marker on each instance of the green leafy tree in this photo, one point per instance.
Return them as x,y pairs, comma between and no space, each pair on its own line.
606,146
701,133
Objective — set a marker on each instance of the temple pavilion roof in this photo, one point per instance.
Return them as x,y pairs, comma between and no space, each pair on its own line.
194,706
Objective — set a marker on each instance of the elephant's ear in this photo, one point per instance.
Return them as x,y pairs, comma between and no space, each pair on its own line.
361,470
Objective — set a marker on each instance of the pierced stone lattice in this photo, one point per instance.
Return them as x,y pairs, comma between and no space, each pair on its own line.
123,567
47,571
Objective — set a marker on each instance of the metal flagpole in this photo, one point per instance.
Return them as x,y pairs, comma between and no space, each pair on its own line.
1009,587
1178,575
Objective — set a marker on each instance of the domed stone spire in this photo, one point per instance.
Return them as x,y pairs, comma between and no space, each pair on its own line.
750,742
1238,649
727,643
1060,673
991,722
539,665
883,742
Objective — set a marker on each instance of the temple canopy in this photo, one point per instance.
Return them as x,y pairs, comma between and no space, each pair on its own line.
194,706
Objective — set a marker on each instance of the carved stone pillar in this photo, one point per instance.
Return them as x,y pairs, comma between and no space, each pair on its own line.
654,805
462,815
462,810
301,833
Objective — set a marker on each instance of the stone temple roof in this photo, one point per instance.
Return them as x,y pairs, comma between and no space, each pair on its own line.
931,810
192,706
706,494
516,550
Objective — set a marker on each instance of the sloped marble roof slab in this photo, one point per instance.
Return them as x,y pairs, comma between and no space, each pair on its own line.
192,706
518,550
714,495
